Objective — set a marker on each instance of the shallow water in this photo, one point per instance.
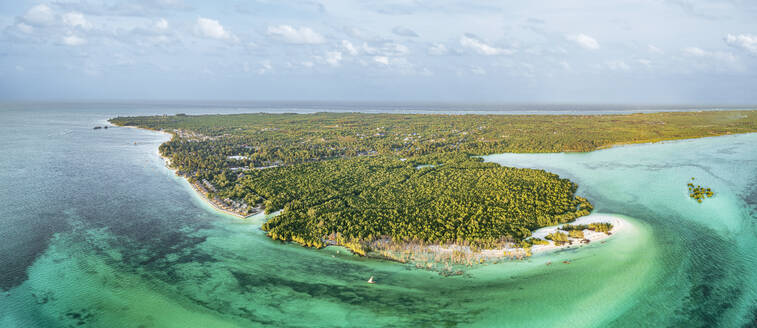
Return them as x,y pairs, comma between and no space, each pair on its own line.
97,232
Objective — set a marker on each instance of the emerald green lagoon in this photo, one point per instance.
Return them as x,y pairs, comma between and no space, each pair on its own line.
97,232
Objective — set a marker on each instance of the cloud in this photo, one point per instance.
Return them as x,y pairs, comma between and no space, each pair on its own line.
404,31
694,51
654,49
437,49
265,67
478,70
25,28
40,15
381,60
161,24
389,49
718,55
289,34
333,58
73,40
585,41
76,19
395,49
618,65
746,42
482,48
349,47
211,28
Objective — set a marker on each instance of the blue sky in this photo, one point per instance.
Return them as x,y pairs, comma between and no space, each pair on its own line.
573,51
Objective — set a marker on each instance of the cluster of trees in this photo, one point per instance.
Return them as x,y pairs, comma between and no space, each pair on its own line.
571,227
462,201
559,238
351,178
528,243
698,192
605,227
596,226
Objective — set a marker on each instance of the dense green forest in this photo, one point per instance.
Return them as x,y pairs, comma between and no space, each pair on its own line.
351,178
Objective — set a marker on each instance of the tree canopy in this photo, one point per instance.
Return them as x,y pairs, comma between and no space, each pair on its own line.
351,178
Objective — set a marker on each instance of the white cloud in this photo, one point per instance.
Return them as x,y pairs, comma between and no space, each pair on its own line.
265,67
76,19
437,49
482,48
73,40
161,24
395,49
618,65
333,58
349,47
25,28
718,55
381,60
40,15
585,41
478,70
744,41
211,28
654,49
694,51
302,35
386,49
565,65
645,62
368,49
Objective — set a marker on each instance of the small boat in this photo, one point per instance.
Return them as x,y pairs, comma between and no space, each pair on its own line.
549,263
566,262
370,280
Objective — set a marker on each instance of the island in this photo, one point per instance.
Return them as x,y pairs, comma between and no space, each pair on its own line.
698,192
382,184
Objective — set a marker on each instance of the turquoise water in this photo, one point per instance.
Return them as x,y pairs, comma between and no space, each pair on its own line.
97,232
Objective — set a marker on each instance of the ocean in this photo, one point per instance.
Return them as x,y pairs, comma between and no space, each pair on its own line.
97,232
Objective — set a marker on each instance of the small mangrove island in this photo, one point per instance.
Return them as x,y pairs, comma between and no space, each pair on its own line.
698,192
382,183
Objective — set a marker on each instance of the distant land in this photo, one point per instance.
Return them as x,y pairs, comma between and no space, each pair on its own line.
375,183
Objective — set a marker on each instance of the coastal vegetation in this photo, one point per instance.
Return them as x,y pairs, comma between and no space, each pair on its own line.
558,238
576,234
374,182
595,226
605,227
698,192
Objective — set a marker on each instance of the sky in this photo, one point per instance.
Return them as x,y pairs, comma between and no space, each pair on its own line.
511,51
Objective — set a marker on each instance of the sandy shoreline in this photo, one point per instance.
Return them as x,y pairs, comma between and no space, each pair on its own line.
192,185
618,225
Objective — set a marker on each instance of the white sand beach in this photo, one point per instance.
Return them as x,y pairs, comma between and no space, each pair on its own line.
618,225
